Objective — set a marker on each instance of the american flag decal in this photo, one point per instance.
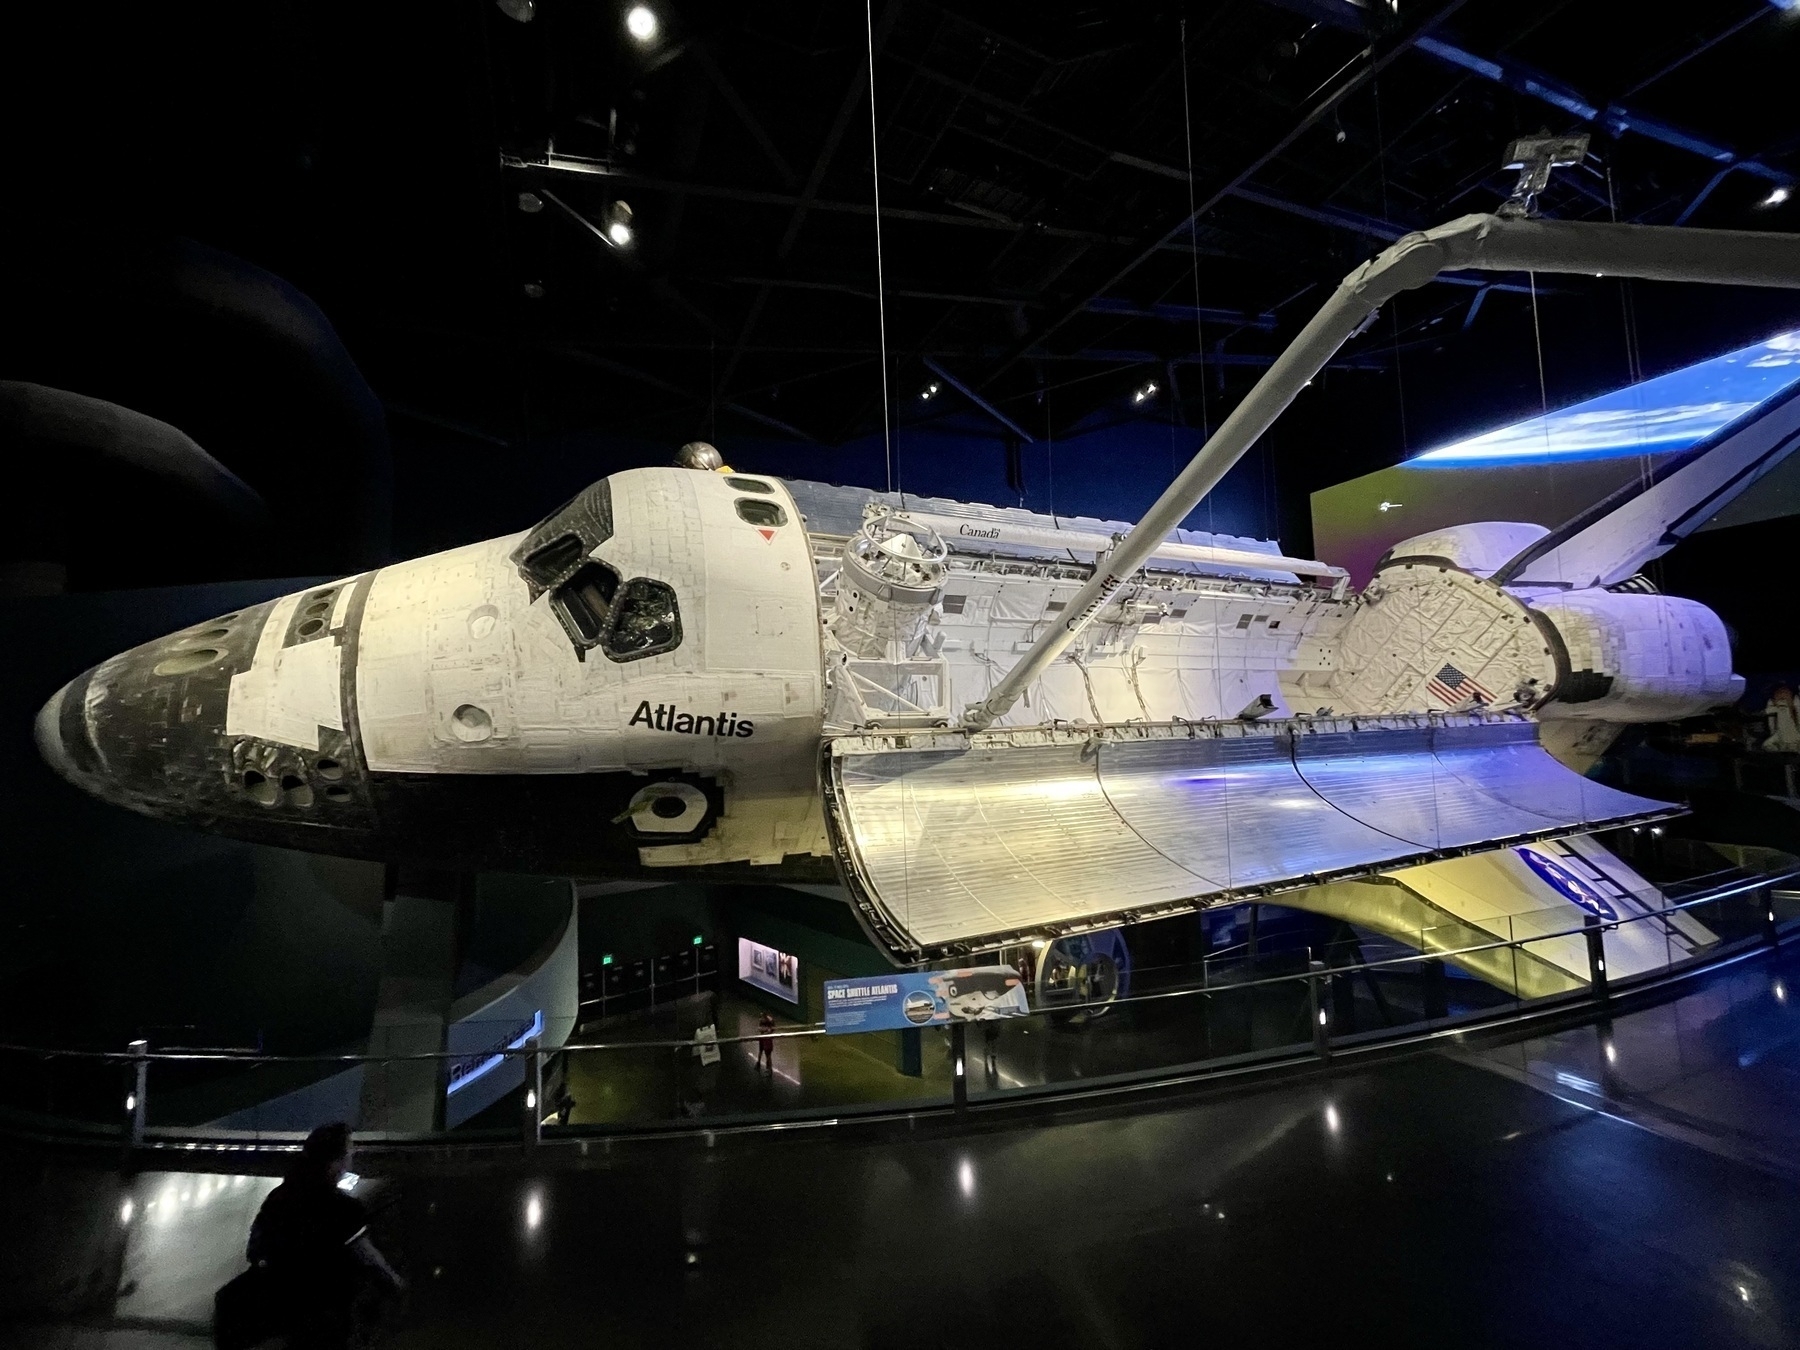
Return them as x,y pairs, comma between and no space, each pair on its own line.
1454,687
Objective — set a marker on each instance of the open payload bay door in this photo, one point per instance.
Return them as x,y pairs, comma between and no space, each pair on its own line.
954,841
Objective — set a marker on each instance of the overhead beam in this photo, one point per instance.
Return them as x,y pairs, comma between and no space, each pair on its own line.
1364,67
936,367
799,204
1615,117
644,377
751,123
809,195
1171,313
1108,304
1254,360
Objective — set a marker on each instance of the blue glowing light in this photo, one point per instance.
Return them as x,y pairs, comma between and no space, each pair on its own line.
1567,884
1671,412
462,1072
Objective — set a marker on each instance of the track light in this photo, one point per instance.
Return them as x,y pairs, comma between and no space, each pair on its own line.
641,23
619,232
1146,393
929,391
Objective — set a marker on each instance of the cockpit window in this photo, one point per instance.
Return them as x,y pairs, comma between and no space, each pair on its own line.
750,485
627,621
584,602
645,621
553,550
765,514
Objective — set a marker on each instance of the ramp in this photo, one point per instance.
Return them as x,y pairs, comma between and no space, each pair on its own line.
952,841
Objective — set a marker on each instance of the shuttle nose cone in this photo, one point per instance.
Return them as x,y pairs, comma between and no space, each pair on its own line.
48,731
155,730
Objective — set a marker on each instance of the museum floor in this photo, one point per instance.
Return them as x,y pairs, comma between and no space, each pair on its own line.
1636,1184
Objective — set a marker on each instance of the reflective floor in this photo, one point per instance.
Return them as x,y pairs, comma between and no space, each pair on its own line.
1627,1185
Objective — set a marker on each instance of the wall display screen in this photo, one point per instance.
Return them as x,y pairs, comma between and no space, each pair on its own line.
771,971
1599,446
1655,416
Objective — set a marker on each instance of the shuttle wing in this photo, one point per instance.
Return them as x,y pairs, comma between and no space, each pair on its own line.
954,840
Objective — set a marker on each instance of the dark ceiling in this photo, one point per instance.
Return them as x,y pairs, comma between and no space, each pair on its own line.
438,177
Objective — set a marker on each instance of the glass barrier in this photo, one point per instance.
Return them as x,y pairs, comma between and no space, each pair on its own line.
1239,1006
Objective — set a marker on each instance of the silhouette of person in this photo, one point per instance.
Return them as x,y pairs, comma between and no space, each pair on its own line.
313,1240
765,1043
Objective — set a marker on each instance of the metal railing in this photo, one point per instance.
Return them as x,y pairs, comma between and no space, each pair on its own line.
1236,1016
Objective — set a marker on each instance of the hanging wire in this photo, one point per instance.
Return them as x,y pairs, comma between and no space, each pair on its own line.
1213,605
1187,130
1634,365
1550,465
1394,304
887,432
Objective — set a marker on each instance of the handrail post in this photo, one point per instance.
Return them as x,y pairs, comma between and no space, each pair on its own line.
959,1066
1317,1014
135,1098
1595,933
533,1121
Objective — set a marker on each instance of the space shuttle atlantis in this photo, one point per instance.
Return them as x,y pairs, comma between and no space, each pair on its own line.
985,725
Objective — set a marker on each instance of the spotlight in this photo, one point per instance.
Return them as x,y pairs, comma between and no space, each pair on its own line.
929,391
520,11
619,231
1777,196
1146,393
641,23
530,203
534,290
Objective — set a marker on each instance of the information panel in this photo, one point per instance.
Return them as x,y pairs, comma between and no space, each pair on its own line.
773,972
924,998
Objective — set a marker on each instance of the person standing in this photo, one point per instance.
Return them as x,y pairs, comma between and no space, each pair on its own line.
765,1041
313,1241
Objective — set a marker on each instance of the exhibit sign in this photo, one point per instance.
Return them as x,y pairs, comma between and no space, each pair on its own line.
706,1044
771,971
924,998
